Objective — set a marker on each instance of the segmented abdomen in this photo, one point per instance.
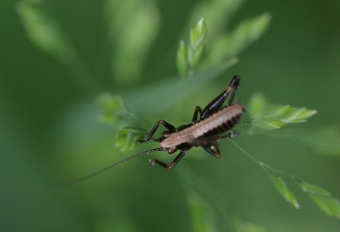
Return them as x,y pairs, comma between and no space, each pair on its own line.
224,127
221,121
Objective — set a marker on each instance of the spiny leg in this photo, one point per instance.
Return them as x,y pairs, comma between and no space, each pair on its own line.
216,153
153,130
198,110
173,163
216,104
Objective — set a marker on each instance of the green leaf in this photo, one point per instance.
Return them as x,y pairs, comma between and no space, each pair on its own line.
328,204
298,115
313,189
191,55
114,110
278,110
283,189
247,32
271,117
45,32
197,34
131,33
127,138
266,125
217,15
232,44
194,51
181,61
112,106
322,198
195,56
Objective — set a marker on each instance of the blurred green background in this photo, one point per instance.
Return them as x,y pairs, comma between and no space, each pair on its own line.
51,132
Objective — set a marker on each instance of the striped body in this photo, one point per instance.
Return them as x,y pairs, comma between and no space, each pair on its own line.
211,127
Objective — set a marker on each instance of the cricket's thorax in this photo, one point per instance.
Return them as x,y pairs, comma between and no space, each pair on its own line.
216,124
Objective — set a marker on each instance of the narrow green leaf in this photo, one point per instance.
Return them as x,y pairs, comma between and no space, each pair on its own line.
322,198
298,115
181,59
195,50
247,32
132,34
197,56
232,44
191,54
114,109
269,125
313,189
217,15
127,138
285,192
328,204
269,117
112,106
277,124
197,34
194,56
45,32
277,111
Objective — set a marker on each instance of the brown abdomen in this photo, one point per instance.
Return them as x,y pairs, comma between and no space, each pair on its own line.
221,121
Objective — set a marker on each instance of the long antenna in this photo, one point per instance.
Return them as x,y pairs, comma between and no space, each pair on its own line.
74,181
